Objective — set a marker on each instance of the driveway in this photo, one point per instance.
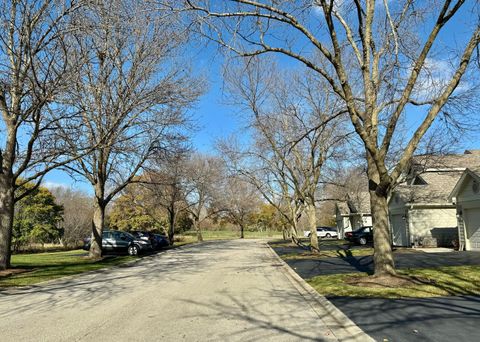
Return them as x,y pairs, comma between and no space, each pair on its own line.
216,291
415,319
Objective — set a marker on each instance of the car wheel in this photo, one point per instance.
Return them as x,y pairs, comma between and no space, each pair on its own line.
132,250
362,241
328,236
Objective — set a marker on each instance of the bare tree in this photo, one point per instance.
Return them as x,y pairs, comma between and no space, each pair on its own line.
77,215
132,93
240,200
296,127
33,72
204,175
165,187
387,62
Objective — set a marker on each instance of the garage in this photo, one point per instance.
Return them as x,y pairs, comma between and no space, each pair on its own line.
471,219
466,195
399,230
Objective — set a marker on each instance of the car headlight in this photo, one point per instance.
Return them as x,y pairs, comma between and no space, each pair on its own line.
142,242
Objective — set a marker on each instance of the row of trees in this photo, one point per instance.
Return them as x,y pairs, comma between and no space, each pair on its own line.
387,65
59,215
99,89
194,187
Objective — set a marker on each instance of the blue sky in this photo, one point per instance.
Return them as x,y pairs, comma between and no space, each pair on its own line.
216,119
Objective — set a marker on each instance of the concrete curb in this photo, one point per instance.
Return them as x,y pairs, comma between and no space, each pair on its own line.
341,326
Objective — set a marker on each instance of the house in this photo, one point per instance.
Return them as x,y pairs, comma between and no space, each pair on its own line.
466,196
420,209
421,213
352,213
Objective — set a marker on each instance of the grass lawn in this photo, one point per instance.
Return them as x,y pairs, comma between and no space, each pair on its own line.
46,266
230,234
328,254
442,281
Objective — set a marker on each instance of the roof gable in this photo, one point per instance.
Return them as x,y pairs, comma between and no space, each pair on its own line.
467,175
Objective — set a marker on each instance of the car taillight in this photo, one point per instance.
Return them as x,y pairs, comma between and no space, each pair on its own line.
348,234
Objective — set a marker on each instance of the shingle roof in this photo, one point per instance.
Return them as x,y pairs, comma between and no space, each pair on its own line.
439,186
470,159
358,202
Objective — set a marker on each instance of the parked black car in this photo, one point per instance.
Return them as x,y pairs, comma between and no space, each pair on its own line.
121,242
361,236
162,241
147,236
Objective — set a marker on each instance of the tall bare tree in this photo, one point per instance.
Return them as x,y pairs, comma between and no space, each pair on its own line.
240,200
33,72
204,175
165,186
296,126
77,215
132,94
387,61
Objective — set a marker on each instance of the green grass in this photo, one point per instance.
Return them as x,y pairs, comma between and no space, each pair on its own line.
442,281
47,266
230,234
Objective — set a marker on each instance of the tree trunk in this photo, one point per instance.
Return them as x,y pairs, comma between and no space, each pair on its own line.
382,246
241,232
171,226
382,255
293,234
312,225
197,228
6,219
98,224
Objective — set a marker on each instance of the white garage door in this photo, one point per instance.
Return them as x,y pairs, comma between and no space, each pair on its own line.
472,227
399,230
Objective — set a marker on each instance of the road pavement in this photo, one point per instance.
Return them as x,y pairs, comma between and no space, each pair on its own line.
215,291
440,319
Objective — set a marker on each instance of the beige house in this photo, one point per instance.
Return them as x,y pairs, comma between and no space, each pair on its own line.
353,213
421,210
421,213
466,196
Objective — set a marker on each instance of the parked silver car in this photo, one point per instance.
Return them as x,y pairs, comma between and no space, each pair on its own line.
323,232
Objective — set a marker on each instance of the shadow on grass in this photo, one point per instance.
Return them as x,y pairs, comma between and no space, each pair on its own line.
356,262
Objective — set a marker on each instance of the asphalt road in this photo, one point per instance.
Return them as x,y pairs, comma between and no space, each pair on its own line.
216,291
